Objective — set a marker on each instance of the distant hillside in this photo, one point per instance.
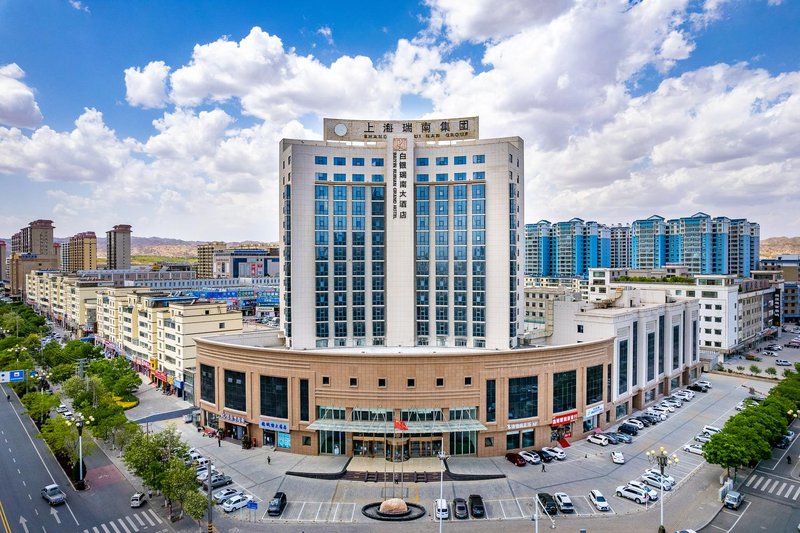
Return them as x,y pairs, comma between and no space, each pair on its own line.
775,246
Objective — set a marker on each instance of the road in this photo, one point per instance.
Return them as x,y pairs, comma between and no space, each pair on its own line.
772,497
27,465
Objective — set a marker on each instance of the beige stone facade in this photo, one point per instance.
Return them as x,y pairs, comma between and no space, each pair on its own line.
458,400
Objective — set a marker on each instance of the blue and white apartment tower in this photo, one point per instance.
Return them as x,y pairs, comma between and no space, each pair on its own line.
648,243
402,233
566,249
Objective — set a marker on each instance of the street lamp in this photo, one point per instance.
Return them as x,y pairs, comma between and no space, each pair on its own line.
43,380
442,456
662,460
79,422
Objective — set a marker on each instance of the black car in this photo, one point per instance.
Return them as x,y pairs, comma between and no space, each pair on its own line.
628,429
548,503
653,419
476,506
277,504
460,510
643,420
784,442
546,456
697,388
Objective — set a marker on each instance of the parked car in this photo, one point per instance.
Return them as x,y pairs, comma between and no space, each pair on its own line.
632,493
516,459
653,418
711,429
563,502
693,448
602,440
790,434
783,442
702,437
628,429
697,388
733,500
237,502
598,500
634,422
138,499
277,504
545,455
476,508
532,457
650,492
217,480
683,395
460,508
62,408
441,510
667,405
548,503
641,420
657,413
556,451
617,458
656,481
623,437
770,353
658,473
221,495
782,362
775,347
704,383
612,438
673,402
53,494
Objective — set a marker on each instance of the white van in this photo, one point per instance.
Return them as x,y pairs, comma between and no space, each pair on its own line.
442,510
711,430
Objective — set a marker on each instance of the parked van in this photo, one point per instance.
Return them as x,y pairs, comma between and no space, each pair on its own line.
138,499
711,430
201,461
628,429
442,510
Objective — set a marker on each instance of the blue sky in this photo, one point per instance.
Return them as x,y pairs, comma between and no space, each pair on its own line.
166,115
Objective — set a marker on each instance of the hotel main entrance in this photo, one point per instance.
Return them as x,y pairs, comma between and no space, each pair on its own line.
397,447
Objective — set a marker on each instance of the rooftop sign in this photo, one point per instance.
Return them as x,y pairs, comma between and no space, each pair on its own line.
447,129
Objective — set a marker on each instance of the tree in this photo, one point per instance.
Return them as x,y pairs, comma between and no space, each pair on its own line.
117,376
726,450
124,434
39,405
62,438
740,368
770,425
771,371
179,482
62,372
787,372
146,454
755,370
195,504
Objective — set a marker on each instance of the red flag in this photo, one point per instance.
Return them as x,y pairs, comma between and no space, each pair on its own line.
400,425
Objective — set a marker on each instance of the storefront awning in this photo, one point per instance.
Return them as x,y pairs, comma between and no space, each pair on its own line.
380,427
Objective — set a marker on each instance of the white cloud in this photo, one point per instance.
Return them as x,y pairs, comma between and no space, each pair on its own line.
327,33
80,6
147,87
18,105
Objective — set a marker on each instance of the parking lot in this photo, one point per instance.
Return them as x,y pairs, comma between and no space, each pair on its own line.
588,466
792,355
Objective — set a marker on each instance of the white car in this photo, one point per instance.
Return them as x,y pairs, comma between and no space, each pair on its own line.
703,383
693,448
617,458
702,437
563,502
556,451
775,347
668,406
782,362
769,353
225,494
656,481
658,473
598,439
651,493
531,457
598,500
659,414
237,502
632,493
62,408
635,422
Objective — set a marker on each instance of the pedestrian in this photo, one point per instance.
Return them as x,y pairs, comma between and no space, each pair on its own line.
149,494
789,459
269,460
543,468
219,441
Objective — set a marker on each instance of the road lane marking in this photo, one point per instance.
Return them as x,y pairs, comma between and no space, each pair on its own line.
760,479
105,529
152,512
750,481
95,530
796,494
123,525
114,526
128,518
780,490
301,511
141,522
773,486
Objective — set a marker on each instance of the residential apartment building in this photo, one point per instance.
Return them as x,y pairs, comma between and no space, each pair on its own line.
620,237
566,249
81,253
32,249
118,247
788,265
245,263
744,247
205,258
3,265
648,243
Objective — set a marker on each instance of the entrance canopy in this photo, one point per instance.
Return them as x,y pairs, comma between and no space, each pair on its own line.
379,427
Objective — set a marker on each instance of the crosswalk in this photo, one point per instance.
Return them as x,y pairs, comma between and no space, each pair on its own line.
147,520
774,485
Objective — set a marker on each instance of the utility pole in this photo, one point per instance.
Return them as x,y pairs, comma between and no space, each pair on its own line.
210,503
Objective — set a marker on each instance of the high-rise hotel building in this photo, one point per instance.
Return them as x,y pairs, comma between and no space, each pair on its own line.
402,233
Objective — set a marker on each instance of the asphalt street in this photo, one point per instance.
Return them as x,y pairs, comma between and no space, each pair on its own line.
27,465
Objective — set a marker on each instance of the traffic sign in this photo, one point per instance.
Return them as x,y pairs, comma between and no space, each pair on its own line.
252,505
12,376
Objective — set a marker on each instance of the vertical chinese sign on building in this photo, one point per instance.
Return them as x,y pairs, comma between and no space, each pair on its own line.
399,177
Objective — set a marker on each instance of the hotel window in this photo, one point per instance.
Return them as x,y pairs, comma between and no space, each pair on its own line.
326,380
381,383
422,161
440,382
491,393
441,161
479,158
339,161
320,160
478,175
321,176
208,385
339,177
377,178
622,369
468,381
594,384
354,382
377,161
358,161
441,177
358,177
564,391
523,397
422,177
235,390
304,399
411,383
274,397
460,160
460,176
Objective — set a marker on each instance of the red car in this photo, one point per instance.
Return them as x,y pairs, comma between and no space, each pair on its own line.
516,459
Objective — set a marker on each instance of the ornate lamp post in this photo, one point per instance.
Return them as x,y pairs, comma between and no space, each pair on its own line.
442,456
79,422
662,460
43,380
